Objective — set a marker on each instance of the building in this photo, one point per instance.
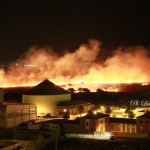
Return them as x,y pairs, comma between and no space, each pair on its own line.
13,114
46,95
100,122
121,125
93,122
74,107
52,128
143,123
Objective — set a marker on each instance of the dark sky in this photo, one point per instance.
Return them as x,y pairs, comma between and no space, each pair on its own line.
65,24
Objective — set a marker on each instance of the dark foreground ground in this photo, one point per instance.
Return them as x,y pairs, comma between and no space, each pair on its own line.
88,144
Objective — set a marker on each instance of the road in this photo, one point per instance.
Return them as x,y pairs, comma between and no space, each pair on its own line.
78,143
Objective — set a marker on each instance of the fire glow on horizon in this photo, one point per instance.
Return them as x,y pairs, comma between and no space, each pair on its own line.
80,68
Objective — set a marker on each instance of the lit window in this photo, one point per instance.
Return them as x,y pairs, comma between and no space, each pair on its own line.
141,128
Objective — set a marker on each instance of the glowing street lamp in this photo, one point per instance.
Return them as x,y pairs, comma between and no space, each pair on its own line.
95,112
65,110
102,107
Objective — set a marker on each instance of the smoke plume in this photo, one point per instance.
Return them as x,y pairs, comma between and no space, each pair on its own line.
127,64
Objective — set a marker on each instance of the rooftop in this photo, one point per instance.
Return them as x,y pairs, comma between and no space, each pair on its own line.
122,120
73,103
95,116
46,88
146,115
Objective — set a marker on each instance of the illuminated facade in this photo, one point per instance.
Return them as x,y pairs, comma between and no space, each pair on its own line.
121,125
12,114
46,96
74,107
107,124
103,123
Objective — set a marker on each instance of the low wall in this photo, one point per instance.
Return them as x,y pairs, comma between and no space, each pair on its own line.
130,135
8,145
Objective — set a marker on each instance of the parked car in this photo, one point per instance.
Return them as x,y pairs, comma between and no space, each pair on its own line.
113,137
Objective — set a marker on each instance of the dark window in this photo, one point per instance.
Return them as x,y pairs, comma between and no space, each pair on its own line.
87,131
87,123
101,121
140,121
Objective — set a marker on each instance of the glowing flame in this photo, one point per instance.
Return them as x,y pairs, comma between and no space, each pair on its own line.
81,68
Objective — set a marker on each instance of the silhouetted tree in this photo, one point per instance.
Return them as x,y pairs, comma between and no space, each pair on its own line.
108,110
131,114
71,90
83,90
80,89
90,112
99,90
66,115
128,109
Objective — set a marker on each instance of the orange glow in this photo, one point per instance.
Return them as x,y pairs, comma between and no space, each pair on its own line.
80,69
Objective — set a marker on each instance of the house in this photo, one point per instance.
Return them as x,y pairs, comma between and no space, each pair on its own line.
121,125
100,122
74,107
94,122
86,124
14,114
46,95
143,123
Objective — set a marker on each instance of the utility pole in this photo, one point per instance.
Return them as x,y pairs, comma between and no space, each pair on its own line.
56,144
14,123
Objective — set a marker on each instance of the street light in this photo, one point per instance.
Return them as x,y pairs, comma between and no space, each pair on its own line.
95,112
65,110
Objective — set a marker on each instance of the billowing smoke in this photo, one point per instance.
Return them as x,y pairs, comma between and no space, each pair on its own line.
127,64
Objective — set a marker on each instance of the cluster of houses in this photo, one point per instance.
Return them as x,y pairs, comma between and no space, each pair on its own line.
47,98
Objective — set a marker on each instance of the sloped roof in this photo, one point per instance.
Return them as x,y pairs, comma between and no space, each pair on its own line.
46,88
123,120
73,103
146,115
95,116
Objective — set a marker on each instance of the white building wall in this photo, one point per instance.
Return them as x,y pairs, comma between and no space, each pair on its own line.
45,103
15,114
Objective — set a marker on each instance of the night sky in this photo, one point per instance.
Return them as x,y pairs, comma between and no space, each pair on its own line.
63,24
